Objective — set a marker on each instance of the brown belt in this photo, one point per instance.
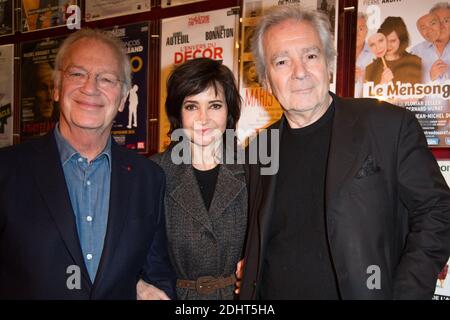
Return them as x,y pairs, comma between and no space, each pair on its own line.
207,284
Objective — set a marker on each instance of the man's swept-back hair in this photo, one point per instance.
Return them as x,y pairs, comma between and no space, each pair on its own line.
279,14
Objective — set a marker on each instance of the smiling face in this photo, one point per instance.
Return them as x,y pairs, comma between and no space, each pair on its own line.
429,27
393,43
444,19
361,31
377,44
297,72
86,106
204,116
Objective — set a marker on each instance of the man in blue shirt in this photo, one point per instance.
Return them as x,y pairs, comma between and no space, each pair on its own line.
81,217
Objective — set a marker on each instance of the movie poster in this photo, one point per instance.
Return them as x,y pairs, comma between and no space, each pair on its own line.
443,282
38,111
172,3
260,109
102,9
207,34
403,56
6,94
6,17
44,14
130,126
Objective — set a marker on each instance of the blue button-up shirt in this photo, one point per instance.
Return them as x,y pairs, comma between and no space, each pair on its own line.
89,188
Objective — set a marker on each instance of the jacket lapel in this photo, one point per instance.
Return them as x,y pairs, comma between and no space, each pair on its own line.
266,196
187,195
346,139
227,189
51,183
121,179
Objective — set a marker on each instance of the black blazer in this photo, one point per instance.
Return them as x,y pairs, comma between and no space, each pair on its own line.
38,235
387,205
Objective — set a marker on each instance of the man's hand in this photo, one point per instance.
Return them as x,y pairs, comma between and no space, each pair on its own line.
146,291
438,68
239,273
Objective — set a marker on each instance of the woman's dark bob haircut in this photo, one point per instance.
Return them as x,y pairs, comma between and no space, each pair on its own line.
194,77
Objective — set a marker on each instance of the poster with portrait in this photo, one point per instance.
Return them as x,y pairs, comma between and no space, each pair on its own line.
6,17
130,126
6,94
443,282
45,14
260,108
172,3
403,56
38,111
102,9
207,34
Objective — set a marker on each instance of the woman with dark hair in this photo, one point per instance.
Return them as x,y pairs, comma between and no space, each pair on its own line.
206,196
400,64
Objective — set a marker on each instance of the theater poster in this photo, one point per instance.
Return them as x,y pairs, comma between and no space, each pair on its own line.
6,17
6,94
443,282
45,14
102,9
38,111
207,34
172,3
260,109
130,126
403,56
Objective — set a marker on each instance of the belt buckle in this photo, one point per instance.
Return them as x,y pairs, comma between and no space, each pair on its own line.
205,285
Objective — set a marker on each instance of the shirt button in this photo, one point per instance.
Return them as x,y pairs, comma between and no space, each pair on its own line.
88,183
89,256
89,218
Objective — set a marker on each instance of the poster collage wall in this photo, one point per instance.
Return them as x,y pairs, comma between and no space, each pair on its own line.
403,56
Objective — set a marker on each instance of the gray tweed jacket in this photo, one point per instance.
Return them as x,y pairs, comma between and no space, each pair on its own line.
201,242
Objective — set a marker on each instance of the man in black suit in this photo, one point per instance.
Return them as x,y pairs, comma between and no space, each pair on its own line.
358,208
81,217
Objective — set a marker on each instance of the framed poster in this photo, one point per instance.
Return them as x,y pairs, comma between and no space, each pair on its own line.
443,282
172,3
6,17
102,9
44,14
403,56
38,112
130,127
259,108
207,34
6,94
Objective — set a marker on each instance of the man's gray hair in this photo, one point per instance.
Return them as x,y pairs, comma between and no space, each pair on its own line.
440,5
116,45
362,15
279,14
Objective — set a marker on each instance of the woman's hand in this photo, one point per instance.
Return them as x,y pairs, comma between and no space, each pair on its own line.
387,76
239,273
146,291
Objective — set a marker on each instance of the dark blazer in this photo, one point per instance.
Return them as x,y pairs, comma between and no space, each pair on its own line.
38,234
202,242
387,205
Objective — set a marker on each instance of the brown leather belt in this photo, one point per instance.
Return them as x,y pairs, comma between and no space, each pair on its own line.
207,284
